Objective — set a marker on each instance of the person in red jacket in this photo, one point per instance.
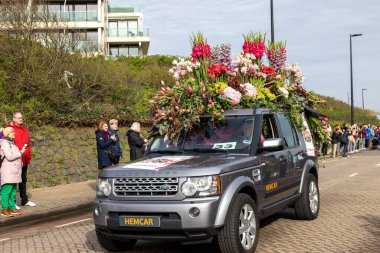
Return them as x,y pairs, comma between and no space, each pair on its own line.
21,139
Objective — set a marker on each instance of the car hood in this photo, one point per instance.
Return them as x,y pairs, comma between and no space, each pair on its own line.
181,165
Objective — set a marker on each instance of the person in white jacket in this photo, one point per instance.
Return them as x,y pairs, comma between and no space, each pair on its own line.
10,172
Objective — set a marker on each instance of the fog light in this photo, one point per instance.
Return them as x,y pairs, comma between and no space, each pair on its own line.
194,212
97,211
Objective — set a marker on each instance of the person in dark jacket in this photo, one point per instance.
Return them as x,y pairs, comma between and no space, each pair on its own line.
335,139
113,130
103,142
344,140
135,142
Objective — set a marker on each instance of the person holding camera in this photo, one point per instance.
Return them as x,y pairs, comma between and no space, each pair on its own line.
11,167
104,141
21,140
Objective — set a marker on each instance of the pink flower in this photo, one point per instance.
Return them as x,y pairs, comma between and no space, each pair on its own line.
177,107
170,118
232,94
184,110
163,114
162,92
162,82
176,83
168,89
221,110
163,89
204,96
249,90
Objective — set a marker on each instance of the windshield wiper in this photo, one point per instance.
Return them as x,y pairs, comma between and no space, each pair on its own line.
166,151
207,150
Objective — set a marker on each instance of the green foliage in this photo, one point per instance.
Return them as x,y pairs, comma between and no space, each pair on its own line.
339,112
32,81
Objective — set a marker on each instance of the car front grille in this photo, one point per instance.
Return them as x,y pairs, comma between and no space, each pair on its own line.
149,186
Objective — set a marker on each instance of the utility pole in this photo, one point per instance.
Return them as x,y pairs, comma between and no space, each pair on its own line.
272,22
352,83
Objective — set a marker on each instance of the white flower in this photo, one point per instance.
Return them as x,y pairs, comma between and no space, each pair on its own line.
284,91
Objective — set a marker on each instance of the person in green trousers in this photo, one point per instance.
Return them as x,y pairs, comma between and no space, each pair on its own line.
10,172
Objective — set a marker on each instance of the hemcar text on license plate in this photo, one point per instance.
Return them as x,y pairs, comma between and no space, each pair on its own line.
140,221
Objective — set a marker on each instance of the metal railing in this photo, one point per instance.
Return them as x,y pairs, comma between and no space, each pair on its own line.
123,9
125,32
69,16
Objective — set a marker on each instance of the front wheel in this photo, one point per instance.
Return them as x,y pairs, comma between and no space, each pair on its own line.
241,230
114,245
307,206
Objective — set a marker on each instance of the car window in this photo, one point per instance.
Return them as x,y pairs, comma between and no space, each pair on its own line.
288,131
233,133
269,127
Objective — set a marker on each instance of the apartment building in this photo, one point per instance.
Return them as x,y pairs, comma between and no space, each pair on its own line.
94,25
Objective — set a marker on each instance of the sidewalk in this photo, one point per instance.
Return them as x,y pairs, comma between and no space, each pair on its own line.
52,201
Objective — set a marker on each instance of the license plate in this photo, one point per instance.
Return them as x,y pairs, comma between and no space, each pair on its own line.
139,221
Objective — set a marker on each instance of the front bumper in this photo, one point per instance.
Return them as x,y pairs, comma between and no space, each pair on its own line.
176,223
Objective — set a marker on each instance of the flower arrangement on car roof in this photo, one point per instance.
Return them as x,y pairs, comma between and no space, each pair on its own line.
209,82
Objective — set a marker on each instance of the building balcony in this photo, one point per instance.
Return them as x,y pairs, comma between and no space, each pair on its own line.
123,9
121,32
69,16
86,46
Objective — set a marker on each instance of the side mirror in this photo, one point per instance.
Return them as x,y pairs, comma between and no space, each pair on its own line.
270,145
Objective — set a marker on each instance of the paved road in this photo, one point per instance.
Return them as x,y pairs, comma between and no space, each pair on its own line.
349,220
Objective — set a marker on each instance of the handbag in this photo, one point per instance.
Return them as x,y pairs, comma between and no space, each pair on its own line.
111,152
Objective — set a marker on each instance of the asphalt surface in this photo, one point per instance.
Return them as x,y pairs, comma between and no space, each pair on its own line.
349,220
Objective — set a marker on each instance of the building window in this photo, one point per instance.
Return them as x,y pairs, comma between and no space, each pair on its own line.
123,28
133,50
126,50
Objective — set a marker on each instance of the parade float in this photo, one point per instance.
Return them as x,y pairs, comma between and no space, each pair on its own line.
209,82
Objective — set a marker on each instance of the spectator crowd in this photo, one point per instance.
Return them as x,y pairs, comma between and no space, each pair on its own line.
349,139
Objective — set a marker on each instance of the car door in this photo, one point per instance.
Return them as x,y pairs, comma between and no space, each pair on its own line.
274,164
295,155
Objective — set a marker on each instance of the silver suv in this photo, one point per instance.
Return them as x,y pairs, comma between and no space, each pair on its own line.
215,184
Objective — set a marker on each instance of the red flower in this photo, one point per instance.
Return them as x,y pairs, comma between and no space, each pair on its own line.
216,70
202,51
256,48
268,70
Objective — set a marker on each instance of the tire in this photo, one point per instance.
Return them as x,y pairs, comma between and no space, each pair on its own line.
230,237
307,206
114,245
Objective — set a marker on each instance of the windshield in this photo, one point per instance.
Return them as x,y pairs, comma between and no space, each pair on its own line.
233,134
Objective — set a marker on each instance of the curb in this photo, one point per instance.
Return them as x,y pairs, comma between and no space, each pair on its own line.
45,214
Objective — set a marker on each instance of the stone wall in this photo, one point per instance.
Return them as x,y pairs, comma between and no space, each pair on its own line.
63,155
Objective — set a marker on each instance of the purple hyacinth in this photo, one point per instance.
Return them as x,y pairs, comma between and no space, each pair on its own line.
222,55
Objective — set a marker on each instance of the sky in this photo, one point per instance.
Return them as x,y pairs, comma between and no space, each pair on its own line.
317,34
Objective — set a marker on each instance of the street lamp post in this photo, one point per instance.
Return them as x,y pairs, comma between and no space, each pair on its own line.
352,84
271,22
363,97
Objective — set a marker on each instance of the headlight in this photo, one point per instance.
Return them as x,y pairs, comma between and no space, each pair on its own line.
103,188
201,186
